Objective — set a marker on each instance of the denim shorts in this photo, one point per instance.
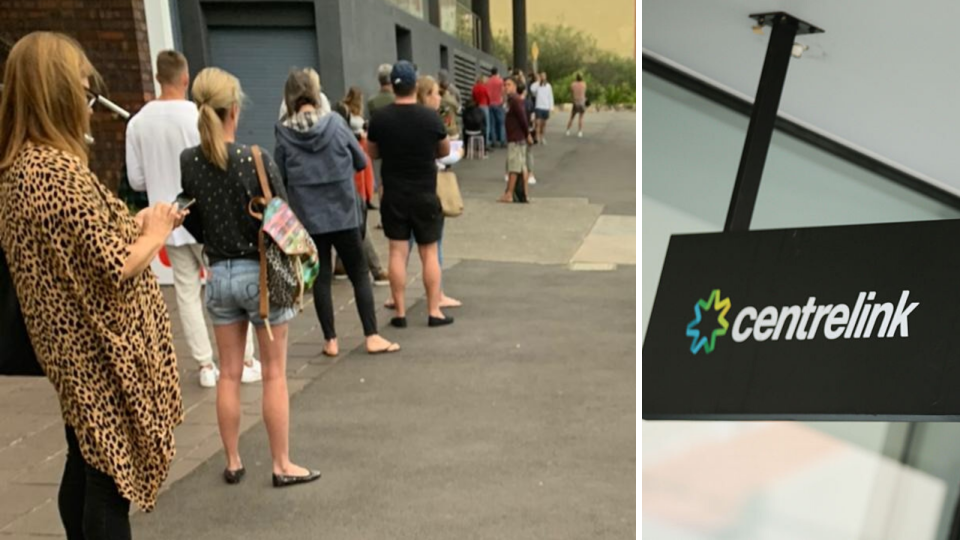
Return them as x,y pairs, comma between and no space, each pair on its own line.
233,294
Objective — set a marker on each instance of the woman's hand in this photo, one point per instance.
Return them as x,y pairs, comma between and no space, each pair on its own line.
139,217
156,224
159,220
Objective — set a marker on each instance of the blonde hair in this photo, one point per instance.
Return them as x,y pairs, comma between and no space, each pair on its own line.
43,99
353,101
215,92
315,77
425,85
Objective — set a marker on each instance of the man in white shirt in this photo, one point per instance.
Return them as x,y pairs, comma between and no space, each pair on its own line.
156,136
543,105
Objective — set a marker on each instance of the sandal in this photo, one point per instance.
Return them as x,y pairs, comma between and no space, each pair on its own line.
391,348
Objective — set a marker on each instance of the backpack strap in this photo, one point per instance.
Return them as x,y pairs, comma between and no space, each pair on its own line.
261,173
267,195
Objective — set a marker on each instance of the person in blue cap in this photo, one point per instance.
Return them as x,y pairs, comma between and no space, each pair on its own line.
409,138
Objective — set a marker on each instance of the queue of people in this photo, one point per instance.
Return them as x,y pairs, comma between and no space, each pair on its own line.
518,124
79,260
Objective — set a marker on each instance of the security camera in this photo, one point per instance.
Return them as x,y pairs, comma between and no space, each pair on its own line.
797,50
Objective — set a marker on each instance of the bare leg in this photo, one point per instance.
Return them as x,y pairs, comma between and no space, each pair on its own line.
511,185
431,278
570,122
449,301
276,401
231,340
581,121
399,251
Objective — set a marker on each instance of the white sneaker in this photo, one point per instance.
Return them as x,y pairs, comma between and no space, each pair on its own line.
567,134
580,134
543,141
251,373
209,376
532,180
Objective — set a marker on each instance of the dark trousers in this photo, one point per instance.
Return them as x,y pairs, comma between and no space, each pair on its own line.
91,508
349,246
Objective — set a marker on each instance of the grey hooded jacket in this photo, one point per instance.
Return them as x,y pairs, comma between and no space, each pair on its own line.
318,157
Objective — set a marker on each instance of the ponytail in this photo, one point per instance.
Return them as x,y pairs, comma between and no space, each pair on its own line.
211,137
215,92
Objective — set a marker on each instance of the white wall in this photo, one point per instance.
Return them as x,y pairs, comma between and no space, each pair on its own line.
160,36
159,30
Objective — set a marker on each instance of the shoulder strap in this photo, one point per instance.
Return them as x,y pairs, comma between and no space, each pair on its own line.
264,285
261,173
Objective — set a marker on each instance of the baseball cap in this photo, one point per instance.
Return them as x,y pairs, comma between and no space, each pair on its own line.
404,74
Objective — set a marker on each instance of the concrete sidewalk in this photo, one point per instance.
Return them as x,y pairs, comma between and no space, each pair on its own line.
516,422
453,436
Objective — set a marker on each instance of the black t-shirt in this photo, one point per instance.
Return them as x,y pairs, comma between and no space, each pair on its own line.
406,137
220,214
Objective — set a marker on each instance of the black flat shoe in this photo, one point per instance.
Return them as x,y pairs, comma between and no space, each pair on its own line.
434,321
282,480
233,477
398,322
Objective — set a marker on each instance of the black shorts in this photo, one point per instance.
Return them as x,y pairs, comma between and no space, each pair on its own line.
419,214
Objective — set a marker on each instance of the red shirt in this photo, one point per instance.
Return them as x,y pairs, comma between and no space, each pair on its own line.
481,97
495,89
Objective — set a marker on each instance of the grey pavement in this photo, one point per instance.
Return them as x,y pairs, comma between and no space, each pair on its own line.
516,422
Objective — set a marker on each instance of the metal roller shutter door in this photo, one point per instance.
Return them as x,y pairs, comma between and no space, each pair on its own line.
262,58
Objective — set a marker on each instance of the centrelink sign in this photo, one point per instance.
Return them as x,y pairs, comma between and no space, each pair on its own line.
830,323
838,321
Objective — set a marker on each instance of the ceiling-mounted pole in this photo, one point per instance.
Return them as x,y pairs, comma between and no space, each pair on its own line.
482,9
785,28
520,35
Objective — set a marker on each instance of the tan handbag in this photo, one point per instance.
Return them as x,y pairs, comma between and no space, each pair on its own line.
449,193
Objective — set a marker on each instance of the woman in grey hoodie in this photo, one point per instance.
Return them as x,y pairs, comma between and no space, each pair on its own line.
318,155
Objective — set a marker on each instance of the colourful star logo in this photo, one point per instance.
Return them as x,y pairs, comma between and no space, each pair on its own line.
701,342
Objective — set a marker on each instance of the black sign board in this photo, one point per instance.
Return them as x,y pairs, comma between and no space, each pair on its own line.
830,323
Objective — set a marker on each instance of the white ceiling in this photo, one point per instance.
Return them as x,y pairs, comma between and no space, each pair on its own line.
884,78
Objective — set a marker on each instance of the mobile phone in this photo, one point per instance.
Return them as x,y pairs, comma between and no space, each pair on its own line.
183,203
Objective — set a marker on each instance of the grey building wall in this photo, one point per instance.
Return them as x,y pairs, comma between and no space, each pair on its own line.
369,33
353,36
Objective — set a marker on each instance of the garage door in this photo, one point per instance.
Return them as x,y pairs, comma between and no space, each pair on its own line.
262,58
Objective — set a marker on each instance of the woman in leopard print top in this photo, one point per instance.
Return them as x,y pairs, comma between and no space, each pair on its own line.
94,313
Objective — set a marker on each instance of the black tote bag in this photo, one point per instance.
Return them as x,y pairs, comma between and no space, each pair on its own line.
16,352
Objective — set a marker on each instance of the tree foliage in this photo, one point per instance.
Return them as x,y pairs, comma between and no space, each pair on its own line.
566,51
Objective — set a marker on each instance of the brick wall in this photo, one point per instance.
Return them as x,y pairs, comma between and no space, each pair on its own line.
114,35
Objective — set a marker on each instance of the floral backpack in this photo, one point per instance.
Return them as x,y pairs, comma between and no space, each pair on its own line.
289,262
